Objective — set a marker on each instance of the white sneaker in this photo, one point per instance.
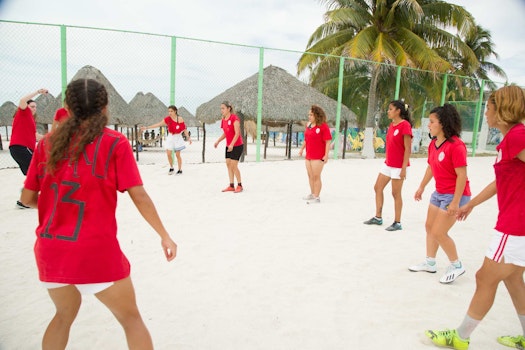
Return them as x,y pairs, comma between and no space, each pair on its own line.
452,273
307,198
314,200
424,266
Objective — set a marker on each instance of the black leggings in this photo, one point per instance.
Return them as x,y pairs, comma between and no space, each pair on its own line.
22,155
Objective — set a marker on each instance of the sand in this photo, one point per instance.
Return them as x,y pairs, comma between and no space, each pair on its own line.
263,270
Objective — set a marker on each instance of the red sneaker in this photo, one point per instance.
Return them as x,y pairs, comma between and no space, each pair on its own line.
229,189
238,189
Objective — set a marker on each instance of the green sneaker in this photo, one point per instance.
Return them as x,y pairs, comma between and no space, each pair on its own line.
448,338
517,342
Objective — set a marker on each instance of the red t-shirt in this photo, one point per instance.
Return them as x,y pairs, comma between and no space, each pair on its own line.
395,143
174,127
61,114
510,182
315,138
24,129
443,161
76,236
229,130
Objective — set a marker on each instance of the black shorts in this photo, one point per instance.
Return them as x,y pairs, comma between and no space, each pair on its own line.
22,155
236,152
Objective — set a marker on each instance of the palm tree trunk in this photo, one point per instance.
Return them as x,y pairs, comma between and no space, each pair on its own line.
368,143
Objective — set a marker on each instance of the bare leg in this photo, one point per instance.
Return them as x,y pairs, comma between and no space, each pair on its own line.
67,301
432,243
230,169
317,168
487,280
309,171
234,164
381,182
516,287
438,230
170,158
397,186
120,300
179,160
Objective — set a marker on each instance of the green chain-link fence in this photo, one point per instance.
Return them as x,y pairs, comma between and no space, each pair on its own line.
188,73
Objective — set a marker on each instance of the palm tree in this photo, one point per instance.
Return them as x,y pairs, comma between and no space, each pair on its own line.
390,33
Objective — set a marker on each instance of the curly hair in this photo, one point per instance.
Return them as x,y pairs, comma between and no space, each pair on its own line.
86,100
509,102
319,114
449,119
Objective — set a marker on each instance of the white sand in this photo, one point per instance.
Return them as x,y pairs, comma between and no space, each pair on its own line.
263,270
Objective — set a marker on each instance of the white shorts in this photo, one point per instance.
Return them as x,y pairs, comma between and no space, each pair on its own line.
393,173
507,248
174,142
88,288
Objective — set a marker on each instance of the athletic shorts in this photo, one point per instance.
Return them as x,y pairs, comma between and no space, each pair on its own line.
88,288
174,142
443,200
236,152
22,155
393,173
507,248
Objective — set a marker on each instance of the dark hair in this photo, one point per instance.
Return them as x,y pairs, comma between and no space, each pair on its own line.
319,114
174,108
29,101
403,110
86,100
449,119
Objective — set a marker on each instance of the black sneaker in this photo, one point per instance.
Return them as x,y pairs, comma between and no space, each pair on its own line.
179,172
21,205
171,171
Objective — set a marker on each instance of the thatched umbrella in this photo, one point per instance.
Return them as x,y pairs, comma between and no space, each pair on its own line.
285,99
146,109
46,106
118,108
7,111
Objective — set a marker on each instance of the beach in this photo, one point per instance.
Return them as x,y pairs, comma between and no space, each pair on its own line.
263,270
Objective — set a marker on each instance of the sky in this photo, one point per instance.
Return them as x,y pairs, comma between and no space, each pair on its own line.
269,23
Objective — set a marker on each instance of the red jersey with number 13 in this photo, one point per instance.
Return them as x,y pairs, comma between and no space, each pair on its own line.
76,237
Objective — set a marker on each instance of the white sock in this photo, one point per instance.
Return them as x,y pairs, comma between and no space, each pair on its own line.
467,327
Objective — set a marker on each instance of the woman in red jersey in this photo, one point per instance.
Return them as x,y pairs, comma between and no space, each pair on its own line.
24,135
398,148
317,138
174,141
505,257
73,180
60,116
447,164
231,126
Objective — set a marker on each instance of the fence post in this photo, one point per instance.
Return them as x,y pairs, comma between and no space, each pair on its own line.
63,60
259,105
477,118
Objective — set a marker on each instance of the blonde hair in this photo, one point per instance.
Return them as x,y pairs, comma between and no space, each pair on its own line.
509,103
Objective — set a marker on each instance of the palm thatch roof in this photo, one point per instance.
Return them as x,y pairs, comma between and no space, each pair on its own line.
118,108
146,109
285,99
189,119
46,106
7,111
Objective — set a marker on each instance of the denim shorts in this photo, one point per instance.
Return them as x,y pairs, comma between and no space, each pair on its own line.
443,200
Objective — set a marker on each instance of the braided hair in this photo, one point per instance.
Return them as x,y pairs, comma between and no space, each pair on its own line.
86,100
